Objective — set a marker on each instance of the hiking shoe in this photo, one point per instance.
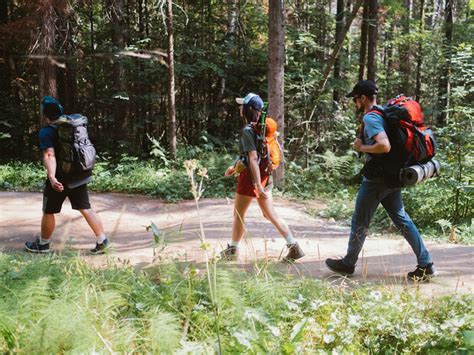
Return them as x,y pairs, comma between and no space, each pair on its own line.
422,274
294,252
337,265
36,247
230,253
100,248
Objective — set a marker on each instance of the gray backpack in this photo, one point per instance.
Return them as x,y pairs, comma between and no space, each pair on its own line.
76,154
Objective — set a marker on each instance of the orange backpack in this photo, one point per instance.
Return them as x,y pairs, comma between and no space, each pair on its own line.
268,148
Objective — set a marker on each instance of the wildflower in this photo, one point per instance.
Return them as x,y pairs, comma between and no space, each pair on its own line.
334,317
353,320
376,295
328,338
452,324
274,330
314,305
292,306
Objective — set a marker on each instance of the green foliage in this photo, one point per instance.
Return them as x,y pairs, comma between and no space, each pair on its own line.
24,176
60,304
329,176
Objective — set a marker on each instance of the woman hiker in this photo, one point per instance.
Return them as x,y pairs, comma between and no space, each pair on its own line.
254,182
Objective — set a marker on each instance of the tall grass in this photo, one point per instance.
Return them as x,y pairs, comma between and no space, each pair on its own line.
58,304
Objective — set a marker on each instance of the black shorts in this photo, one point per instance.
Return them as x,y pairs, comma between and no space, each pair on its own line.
53,200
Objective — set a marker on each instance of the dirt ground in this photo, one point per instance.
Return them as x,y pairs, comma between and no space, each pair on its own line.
125,217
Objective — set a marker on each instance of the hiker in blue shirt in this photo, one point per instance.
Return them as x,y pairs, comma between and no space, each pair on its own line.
373,191
60,185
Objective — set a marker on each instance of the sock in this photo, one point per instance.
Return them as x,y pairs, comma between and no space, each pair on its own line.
101,238
290,239
44,241
234,244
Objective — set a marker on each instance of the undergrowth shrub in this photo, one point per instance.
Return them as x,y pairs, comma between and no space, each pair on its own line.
58,304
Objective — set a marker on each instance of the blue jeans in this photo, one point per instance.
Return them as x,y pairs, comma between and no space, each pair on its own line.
370,194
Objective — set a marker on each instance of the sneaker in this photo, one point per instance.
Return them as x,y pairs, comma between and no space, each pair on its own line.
337,265
294,252
230,253
36,247
100,248
422,274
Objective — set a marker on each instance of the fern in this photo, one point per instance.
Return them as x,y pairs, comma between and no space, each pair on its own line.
164,332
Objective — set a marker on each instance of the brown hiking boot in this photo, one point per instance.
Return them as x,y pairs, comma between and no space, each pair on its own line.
230,253
294,252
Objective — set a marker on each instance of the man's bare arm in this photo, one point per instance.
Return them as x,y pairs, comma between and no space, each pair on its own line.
49,162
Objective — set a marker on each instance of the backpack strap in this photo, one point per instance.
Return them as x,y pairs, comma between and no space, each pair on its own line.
377,109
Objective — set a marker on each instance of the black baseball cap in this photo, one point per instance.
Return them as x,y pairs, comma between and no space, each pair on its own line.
363,87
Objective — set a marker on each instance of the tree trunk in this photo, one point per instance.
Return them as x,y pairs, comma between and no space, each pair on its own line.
5,79
276,70
405,51
337,65
363,40
445,82
3,11
337,48
419,62
389,61
67,75
372,40
121,105
46,36
228,50
171,89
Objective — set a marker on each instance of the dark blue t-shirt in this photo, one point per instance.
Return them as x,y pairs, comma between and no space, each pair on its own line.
48,138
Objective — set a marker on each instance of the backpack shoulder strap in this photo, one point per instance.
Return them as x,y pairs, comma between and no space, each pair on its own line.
377,109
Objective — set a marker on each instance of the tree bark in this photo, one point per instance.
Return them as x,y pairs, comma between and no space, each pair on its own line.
228,51
5,81
67,75
116,9
47,35
228,41
364,31
337,65
171,85
372,40
419,62
389,61
337,48
3,11
405,51
276,70
445,82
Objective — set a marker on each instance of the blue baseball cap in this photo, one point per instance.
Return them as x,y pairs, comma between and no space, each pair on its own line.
252,100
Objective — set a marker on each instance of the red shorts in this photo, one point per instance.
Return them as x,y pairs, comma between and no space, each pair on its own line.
245,184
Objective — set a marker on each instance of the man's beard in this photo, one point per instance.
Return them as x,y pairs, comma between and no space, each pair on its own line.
359,111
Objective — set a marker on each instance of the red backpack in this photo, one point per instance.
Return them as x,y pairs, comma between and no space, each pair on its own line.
407,131
411,141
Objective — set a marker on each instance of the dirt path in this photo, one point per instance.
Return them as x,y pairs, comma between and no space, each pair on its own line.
384,260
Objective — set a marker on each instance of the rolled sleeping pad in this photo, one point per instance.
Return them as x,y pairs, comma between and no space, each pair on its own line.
420,172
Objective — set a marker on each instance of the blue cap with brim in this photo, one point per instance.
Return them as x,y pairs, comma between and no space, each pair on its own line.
51,101
252,100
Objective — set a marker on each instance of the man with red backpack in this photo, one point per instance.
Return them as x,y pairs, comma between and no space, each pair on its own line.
374,189
68,157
